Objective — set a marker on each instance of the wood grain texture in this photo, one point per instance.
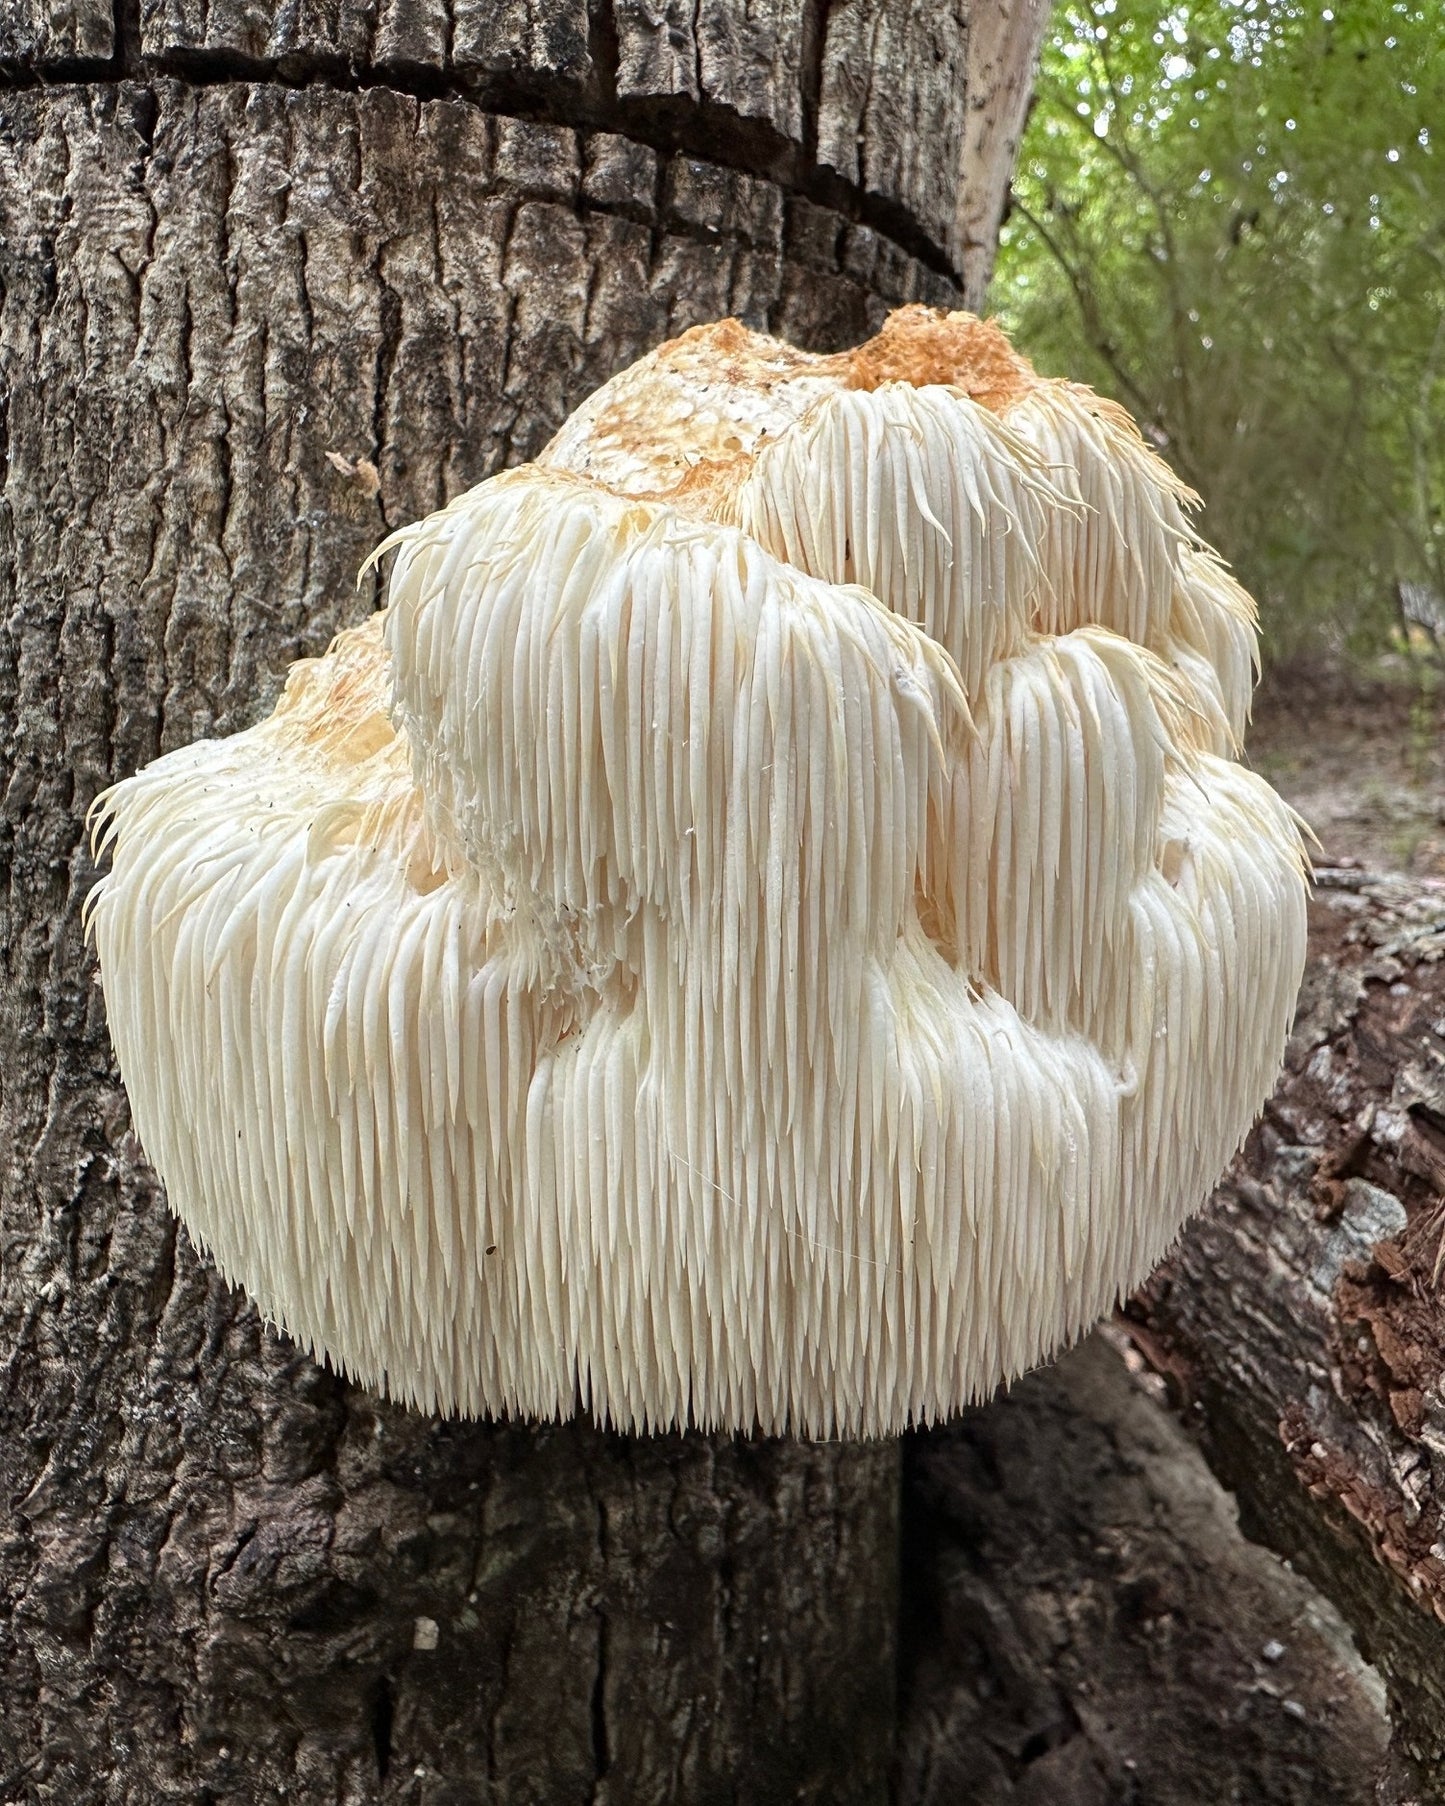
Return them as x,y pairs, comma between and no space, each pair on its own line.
1301,1321
892,104
1004,39
245,329
36,33
859,106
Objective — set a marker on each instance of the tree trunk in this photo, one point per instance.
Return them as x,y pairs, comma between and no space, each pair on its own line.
1301,1321
277,278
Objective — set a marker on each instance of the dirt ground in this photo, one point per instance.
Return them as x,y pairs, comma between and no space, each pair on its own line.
1363,760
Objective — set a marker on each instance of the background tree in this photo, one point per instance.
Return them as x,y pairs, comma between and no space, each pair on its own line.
273,280
1231,215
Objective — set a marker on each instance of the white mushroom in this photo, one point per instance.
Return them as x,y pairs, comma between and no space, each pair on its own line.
763,931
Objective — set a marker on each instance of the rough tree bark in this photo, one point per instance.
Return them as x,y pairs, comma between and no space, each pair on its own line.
1084,1625
275,278
1301,1320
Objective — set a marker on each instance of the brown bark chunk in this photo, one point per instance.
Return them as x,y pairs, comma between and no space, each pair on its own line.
1301,1318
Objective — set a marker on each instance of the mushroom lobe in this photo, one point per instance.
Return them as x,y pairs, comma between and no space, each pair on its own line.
765,930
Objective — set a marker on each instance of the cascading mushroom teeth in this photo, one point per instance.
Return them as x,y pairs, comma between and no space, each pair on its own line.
765,930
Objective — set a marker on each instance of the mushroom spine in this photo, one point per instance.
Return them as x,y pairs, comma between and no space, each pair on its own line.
766,929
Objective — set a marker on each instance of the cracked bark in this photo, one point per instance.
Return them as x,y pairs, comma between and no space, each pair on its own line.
274,278
893,101
863,107
1300,1322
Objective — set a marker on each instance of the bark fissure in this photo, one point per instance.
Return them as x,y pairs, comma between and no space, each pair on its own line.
603,49
127,30
670,125
601,1749
381,1716
814,33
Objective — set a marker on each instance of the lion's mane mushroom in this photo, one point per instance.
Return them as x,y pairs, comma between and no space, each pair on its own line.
765,929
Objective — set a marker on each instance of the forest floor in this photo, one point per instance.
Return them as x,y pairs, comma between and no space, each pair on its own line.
1363,760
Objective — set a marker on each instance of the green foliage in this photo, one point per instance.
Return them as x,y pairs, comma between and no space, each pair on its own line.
1231,215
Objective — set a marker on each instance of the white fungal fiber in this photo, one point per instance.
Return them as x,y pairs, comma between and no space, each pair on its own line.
764,931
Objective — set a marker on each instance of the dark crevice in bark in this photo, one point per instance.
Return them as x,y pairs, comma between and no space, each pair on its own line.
62,71
601,1751
4,444
382,1711
810,73
164,1278
602,48
386,350
128,51
144,112
673,125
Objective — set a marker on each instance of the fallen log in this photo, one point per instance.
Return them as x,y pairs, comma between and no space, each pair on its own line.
1299,1324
